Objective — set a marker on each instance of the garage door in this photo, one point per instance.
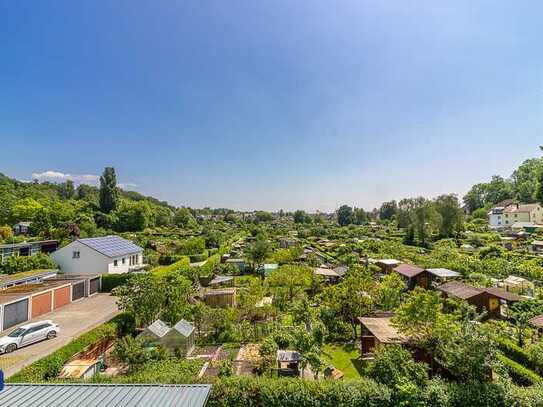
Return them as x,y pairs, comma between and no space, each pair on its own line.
94,285
41,304
62,297
15,313
78,290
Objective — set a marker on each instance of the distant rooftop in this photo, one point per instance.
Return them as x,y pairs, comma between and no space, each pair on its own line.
111,246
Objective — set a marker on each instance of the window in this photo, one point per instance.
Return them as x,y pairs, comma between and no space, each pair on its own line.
124,260
76,255
115,263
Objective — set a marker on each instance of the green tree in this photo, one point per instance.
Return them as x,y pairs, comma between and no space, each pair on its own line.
109,193
389,292
521,313
359,216
451,216
27,209
142,296
183,218
258,252
345,215
394,366
301,217
387,210
289,281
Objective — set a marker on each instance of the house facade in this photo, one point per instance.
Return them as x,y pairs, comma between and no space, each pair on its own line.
102,255
506,216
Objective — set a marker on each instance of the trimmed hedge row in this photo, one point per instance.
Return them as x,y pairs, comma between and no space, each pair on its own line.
48,368
196,258
110,281
520,374
184,263
518,354
262,392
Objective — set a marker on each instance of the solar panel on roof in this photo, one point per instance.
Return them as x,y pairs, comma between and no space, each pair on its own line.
112,246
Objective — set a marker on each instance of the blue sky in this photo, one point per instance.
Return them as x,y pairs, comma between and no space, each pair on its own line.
272,104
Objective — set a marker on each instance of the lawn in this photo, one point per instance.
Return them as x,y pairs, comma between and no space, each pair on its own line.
345,357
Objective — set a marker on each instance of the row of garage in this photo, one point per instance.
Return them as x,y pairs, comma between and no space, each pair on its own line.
21,303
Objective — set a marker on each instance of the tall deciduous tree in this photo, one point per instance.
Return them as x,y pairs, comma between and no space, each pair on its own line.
345,215
109,193
451,216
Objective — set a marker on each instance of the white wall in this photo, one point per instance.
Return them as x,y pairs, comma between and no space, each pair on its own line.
90,261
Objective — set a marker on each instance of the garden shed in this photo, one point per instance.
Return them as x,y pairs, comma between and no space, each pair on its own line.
376,331
221,298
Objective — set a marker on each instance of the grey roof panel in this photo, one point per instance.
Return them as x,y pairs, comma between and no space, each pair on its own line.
185,328
94,395
112,246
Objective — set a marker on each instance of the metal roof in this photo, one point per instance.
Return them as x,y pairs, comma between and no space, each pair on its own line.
288,356
221,279
111,246
159,328
100,395
443,273
185,328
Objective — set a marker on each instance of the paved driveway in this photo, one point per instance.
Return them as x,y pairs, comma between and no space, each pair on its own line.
74,319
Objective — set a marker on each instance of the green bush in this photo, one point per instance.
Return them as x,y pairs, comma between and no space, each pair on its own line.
196,258
518,354
520,374
110,281
49,367
242,391
182,264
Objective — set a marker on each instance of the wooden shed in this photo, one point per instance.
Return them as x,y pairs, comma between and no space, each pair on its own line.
413,275
221,298
490,300
377,331
387,265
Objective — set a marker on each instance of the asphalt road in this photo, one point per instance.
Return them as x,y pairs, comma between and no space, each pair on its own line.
74,319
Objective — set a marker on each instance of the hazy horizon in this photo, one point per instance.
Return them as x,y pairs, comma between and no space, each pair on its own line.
273,104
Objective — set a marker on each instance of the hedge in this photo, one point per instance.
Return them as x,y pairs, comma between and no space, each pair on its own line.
268,392
48,368
242,391
110,281
520,374
196,258
518,354
184,263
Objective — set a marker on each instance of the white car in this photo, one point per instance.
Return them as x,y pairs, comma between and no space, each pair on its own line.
28,334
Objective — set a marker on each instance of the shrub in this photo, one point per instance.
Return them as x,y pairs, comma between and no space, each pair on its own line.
242,391
110,281
519,374
196,258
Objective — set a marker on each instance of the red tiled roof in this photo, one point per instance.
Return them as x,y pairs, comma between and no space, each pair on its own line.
408,270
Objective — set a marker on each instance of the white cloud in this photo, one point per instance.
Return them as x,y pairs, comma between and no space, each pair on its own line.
56,176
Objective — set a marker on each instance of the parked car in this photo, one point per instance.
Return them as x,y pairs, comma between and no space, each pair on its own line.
28,334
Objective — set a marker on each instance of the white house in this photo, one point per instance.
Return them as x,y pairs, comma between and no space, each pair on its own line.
100,255
506,215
